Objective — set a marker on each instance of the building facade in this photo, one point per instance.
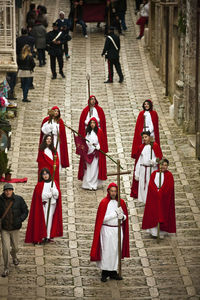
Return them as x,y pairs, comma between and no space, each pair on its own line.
173,40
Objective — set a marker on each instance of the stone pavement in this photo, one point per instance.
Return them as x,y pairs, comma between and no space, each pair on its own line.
62,270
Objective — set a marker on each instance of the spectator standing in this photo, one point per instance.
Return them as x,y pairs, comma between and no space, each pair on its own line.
26,66
39,34
13,211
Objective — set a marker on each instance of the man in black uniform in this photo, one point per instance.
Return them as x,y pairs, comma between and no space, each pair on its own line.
111,52
55,39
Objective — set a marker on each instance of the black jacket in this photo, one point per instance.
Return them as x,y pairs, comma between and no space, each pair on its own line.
54,49
109,48
19,211
26,64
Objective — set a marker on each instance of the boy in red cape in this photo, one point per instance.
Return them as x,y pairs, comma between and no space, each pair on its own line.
54,125
145,164
45,157
160,205
93,173
147,121
93,110
37,231
105,242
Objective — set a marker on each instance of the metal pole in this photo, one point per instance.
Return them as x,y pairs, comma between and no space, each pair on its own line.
197,111
167,52
119,221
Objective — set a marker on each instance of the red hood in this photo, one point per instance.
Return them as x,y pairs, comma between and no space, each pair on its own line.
112,184
96,103
94,119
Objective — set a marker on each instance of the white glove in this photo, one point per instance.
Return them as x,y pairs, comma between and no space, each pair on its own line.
119,210
54,192
136,178
97,146
46,196
120,216
152,162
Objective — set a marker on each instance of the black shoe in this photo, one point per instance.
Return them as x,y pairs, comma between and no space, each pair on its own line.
11,97
26,100
121,80
62,74
54,77
104,275
108,81
32,87
115,275
139,37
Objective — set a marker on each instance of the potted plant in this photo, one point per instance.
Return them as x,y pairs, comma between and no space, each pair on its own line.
8,173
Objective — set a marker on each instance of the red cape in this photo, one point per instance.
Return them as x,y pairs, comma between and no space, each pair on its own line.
158,153
96,245
63,142
45,162
102,159
102,118
36,228
160,205
137,139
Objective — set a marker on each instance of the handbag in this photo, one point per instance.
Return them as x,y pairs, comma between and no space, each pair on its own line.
5,213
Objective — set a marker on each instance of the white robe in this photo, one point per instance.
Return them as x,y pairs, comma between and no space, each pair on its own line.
45,200
94,114
148,123
90,178
47,130
144,158
109,239
154,231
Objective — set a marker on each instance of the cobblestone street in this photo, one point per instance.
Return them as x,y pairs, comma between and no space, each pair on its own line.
62,270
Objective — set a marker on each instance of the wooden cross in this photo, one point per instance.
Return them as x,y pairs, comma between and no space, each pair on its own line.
118,173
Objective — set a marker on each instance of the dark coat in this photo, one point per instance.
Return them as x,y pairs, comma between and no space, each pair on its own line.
24,40
54,49
26,64
19,211
109,48
39,34
61,23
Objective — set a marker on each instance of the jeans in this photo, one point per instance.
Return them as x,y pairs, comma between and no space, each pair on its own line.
9,238
82,23
41,56
26,82
123,23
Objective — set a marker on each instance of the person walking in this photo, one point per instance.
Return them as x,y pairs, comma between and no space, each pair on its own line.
13,211
26,66
39,34
111,52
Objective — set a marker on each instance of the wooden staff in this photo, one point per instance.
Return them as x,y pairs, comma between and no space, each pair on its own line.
54,171
158,226
88,80
119,221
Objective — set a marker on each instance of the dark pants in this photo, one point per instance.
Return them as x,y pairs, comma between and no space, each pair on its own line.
137,4
82,23
11,78
41,56
117,65
122,19
26,82
53,63
66,48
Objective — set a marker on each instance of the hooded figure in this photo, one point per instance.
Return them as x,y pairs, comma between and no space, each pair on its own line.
37,229
147,121
93,173
93,110
56,127
105,241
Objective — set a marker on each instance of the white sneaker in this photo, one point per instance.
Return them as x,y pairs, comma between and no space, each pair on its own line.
86,36
5,273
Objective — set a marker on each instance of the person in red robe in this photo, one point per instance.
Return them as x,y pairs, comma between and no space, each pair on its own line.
145,164
94,172
160,204
104,248
93,110
53,124
147,121
38,230
45,157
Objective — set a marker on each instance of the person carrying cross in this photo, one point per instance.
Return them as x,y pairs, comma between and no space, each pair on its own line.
105,242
